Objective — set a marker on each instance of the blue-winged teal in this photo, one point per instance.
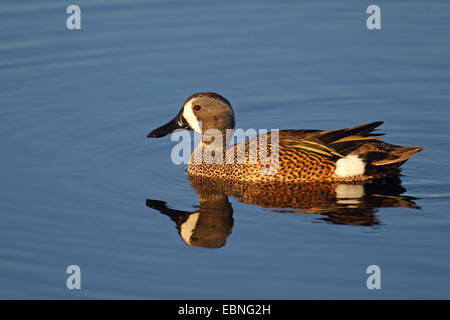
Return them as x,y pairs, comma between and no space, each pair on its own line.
346,155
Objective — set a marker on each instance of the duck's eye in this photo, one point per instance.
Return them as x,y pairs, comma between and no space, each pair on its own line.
196,107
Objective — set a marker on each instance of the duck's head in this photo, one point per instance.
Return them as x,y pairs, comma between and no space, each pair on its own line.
200,112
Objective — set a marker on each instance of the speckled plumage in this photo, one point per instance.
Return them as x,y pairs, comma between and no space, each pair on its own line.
297,163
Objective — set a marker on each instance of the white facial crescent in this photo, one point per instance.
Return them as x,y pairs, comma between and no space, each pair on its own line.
191,118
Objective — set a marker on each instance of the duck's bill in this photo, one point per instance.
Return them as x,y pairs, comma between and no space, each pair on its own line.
176,123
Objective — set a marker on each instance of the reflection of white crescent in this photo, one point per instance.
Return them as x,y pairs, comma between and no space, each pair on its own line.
188,227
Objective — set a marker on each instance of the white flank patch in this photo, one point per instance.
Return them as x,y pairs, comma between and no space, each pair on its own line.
188,227
350,166
190,117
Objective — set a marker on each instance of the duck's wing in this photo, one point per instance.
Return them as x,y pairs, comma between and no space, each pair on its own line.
347,140
361,141
335,143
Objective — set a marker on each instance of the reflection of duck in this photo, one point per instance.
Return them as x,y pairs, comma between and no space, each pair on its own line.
207,227
352,154
350,204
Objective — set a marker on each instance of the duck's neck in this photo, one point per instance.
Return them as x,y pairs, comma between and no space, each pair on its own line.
212,147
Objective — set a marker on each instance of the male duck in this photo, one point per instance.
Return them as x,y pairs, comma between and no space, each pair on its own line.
345,155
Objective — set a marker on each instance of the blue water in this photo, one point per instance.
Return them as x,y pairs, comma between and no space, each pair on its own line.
77,169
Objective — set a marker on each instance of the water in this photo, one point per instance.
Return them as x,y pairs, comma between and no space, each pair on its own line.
77,169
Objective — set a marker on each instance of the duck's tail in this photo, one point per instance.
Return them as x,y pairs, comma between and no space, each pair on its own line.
361,141
397,155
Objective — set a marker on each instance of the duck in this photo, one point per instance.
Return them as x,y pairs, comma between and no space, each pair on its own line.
350,155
